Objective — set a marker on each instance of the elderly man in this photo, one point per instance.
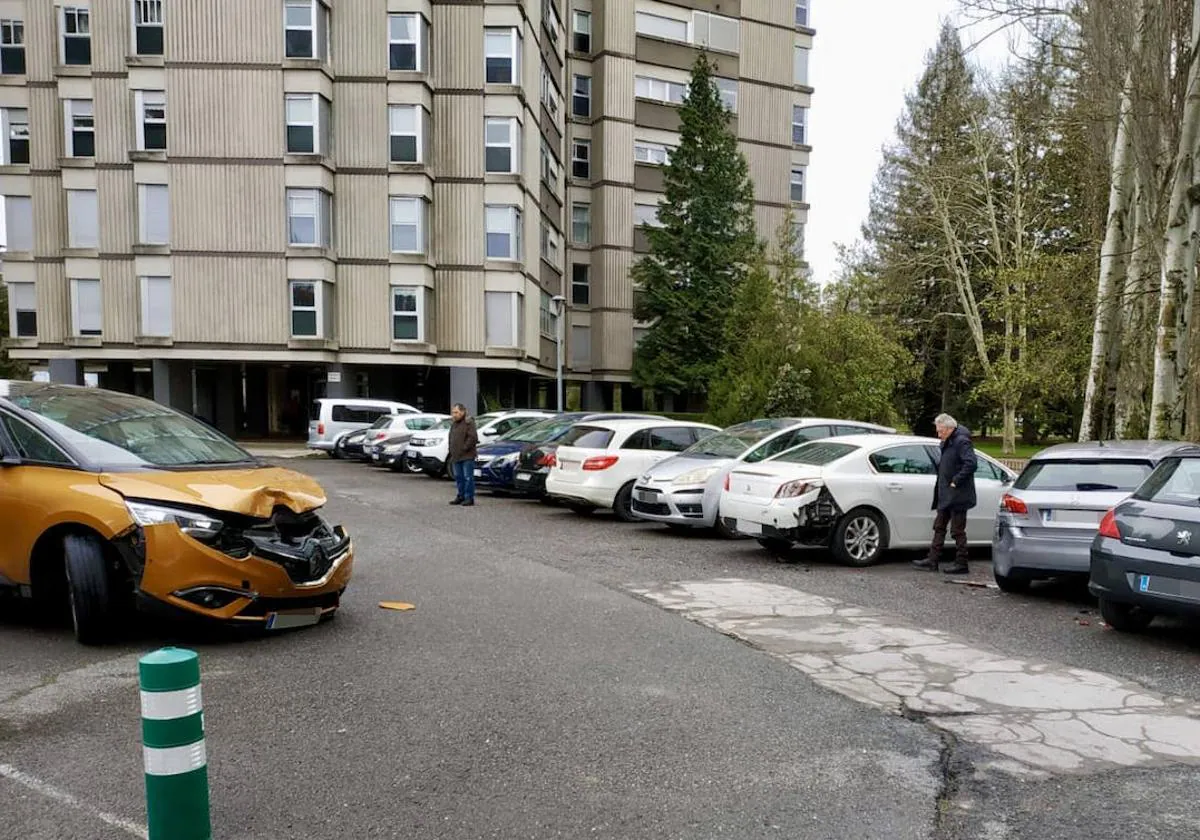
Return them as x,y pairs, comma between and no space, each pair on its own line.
953,495
464,440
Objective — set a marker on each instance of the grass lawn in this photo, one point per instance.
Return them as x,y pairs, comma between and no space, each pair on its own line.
991,446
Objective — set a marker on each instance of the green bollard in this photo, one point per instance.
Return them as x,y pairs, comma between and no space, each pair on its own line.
173,745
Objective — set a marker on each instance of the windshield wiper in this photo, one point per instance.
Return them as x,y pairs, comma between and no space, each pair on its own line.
1084,487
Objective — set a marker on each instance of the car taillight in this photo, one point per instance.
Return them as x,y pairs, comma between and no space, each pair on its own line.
548,460
793,489
321,429
1108,526
1014,505
599,462
726,481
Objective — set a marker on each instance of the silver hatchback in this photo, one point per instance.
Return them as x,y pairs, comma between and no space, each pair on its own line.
1050,516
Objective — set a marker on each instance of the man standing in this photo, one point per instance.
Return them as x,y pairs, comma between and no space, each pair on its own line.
953,495
464,441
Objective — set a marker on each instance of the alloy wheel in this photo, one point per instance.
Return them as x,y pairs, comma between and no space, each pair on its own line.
862,538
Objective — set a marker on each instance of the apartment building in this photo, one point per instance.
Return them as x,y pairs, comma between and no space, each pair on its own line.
238,207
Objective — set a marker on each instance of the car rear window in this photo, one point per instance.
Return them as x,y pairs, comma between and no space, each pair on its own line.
314,411
1082,476
587,437
1176,481
817,454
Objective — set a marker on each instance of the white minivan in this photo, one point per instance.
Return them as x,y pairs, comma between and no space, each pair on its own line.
332,417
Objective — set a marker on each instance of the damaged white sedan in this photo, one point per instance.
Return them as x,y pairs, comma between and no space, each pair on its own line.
858,496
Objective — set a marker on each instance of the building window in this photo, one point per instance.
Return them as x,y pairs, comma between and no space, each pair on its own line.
16,133
581,32
660,90
502,145
87,316
309,218
581,224
798,184
581,159
550,166
154,214
408,313
581,96
547,320
407,35
407,215
12,47
306,307
22,309
158,308
581,345
646,214
148,27
503,232
799,125
551,243
658,26
83,219
81,128
502,56
308,128
18,222
798,239
802,13
727,89
404,133
152,120
800,67
76,35
655,154
502,319
305,29
550,93
551,22
716,31
581,284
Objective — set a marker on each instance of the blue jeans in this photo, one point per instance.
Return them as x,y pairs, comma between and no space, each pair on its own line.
464,478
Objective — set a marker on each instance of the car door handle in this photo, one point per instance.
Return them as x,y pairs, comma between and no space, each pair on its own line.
895,486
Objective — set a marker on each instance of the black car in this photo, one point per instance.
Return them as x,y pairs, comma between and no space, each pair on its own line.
1146,557
350,445
537,458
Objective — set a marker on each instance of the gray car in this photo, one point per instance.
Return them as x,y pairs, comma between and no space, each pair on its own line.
684,491
1050,516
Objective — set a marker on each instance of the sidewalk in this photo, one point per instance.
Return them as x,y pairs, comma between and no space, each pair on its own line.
278,449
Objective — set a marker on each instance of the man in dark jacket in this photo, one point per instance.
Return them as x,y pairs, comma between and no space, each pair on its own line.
953,495
464,441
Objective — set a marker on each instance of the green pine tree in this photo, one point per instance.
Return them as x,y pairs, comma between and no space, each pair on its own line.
700,253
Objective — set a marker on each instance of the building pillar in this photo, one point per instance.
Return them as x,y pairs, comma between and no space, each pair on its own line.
66,371
339,381
464,387
592,397
229,381
160,374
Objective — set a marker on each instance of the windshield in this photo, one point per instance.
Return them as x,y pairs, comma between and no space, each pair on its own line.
540,431
441,425
1084,476
120,430
816,454
735,440
1175,482
383,422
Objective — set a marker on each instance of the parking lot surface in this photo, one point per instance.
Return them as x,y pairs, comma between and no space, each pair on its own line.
566,677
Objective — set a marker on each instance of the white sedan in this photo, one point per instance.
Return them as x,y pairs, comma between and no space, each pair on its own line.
858,496
599,461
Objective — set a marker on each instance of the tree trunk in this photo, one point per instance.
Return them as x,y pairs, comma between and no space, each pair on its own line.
1008,441
1130,415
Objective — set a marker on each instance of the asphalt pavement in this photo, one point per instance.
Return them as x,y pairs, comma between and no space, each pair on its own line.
544,687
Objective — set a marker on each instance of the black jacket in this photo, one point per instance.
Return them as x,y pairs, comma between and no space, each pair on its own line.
957,467
463,440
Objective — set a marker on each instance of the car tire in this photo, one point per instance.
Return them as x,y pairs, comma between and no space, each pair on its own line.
581,508
623,504
860,538
1012,584
778,547
1125,618
724,531
90,590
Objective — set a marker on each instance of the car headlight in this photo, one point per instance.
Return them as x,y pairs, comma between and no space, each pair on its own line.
698,476
196,525
394,448
507,460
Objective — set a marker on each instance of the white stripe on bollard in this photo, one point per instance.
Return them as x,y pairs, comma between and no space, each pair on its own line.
169,705
175,760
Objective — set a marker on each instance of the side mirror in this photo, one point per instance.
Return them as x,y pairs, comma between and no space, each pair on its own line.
10,461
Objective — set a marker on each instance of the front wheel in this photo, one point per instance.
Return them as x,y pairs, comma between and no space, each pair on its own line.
623,504
1125,618
90,590
860,538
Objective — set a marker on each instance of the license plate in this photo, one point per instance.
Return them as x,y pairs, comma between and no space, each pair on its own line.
1143,583
753,529
1076,517
288,619
411,453
479,473
374,456
647,496
523,477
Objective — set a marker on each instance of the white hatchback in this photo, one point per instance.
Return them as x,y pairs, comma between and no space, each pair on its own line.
598,462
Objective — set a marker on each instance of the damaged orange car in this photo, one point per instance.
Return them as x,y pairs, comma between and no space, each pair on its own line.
111,503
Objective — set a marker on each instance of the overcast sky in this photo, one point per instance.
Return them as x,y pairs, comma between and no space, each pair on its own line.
867,55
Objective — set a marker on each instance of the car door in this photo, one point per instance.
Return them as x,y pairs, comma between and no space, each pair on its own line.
904,478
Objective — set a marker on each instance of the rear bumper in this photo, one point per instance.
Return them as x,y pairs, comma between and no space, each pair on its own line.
1015,551
1148,578
589,494
530,482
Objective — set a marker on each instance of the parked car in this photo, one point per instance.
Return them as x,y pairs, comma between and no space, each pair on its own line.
597,463
387,440
857,495
539,457
1146,554
428,452
685,490
332,417
350,445
1048,519
111,502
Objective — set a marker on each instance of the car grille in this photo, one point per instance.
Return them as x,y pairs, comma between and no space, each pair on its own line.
303,544
652,509
262,606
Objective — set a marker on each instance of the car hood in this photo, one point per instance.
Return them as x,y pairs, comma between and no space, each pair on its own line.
250,492
501,447
677,465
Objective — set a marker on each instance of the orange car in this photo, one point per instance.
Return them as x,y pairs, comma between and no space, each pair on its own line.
110,502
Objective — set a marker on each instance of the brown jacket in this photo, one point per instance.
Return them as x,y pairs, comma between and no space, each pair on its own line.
463,440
